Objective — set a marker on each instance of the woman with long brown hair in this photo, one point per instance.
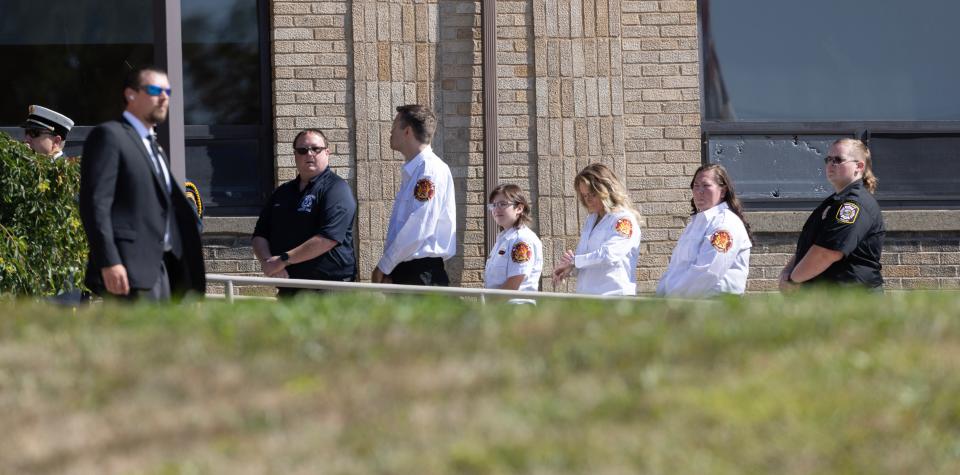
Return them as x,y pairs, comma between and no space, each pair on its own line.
842,240
605,261
713,253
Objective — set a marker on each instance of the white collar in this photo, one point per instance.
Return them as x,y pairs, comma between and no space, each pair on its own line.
509,232
712,212
141,129
412,165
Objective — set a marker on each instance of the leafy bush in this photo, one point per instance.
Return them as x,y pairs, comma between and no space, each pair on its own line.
42,244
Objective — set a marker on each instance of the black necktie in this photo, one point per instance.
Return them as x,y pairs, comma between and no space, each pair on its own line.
155,148
168,238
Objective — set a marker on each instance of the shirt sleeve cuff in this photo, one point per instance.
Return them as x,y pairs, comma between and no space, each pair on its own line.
386,265
580,261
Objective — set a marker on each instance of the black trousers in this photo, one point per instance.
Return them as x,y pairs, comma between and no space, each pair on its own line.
426,271
286,292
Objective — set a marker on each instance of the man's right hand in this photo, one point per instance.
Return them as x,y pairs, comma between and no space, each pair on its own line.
376,276
115,279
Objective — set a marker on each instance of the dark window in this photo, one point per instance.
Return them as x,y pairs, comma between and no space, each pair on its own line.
229,153
76,65
73,67
778,74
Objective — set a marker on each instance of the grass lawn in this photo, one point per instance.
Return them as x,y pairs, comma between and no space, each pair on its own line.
361,384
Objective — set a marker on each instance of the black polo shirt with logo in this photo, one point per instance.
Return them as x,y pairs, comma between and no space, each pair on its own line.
850,222
326,208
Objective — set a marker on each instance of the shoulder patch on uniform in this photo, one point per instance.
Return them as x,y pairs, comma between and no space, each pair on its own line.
424,190
848,212
624,226
721,240
521,252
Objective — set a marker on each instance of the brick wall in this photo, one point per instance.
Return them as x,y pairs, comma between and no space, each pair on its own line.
419,52
911,260
579,81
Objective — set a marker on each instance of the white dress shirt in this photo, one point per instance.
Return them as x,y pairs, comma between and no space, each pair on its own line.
606,257
711,257
518,251
423,222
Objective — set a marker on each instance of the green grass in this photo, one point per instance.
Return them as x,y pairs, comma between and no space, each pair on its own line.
818,383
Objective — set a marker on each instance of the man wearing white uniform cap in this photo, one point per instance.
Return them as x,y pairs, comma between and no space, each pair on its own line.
45,131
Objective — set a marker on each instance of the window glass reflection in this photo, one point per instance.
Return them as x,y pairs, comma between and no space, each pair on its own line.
823,60
225,172
221,62
74,67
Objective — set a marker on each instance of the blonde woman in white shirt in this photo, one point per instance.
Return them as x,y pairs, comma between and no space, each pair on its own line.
516,259
713,253
605,261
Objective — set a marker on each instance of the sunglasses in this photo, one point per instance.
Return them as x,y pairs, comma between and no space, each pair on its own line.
500,205
34,133
306,150
152,90
835,160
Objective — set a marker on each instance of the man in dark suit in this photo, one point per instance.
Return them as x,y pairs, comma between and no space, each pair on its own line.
143,236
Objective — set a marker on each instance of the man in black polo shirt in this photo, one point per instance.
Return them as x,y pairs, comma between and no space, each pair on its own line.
305,231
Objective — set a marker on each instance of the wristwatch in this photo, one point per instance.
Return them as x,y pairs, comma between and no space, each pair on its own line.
284,257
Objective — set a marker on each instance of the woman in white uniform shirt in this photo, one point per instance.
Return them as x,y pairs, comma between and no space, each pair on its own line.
713,253
605,261
516,260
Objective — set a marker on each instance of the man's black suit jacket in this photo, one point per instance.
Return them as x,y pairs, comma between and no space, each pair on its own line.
124,206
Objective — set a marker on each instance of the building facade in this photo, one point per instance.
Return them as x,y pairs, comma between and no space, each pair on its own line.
651,88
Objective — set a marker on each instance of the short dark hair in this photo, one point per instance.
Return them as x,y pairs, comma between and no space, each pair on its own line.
134,78
421,119
311,131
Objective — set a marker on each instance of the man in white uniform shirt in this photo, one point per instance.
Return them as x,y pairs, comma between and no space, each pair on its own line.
422,230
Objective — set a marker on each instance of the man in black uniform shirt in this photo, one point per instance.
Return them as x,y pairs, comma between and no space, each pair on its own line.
305,231
842,240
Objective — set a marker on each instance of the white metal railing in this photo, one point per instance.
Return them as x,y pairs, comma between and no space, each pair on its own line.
230,281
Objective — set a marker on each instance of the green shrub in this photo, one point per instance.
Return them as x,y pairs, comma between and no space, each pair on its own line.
42,244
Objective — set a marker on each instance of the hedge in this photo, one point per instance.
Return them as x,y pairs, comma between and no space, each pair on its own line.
43,248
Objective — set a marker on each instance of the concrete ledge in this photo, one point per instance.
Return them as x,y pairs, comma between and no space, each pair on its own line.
899,220
242,225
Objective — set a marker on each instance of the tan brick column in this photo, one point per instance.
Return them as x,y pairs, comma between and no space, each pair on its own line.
312,86
579,109
425,52
661,122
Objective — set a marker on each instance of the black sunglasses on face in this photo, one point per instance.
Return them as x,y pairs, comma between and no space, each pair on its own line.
834,160
305,150
34,133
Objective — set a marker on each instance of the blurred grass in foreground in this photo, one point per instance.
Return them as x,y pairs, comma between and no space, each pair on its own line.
360,384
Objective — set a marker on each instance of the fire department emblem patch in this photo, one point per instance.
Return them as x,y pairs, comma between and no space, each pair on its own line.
424,190
848,213
521,252
624,227
721,241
